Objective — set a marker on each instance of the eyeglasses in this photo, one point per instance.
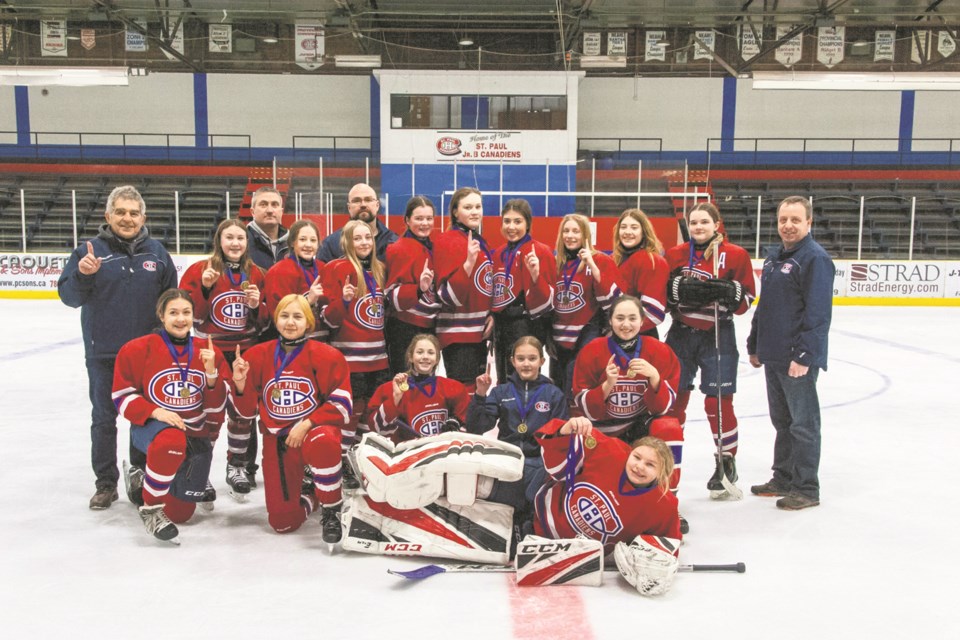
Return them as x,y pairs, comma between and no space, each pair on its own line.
367,200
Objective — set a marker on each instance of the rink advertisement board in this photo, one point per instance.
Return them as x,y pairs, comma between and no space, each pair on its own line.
35,275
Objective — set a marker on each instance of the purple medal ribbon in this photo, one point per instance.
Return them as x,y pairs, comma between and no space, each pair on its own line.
508,255
310,275
177,354
236,283
522,408
621,355
430,382
281,359
568,273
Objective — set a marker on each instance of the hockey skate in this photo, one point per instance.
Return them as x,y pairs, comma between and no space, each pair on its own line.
252,474
330,522
727,466
133,483
157,524
238,482
208,498
351,470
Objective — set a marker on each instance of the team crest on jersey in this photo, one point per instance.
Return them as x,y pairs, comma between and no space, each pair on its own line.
542,406
430,422
502,289
483,278
229,311
369,311
786,267
166,389
569,300
149,265
591,512
296,398
626,398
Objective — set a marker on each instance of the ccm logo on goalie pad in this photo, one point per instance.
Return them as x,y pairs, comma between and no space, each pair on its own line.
550,547
402,547
591,512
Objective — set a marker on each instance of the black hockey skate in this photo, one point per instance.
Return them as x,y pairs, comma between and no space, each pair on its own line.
208,498
727,467
330,521
133,483
158,524
238,482
350,480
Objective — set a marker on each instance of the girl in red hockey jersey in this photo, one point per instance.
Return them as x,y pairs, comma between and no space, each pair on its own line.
418,403
172,388
409,290
709,278
524,271
602,487
588,282
301,389
298,273
643,271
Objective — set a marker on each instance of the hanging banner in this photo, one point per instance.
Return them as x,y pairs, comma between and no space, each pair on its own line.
492,146
656,46
617,43
88,38
175,43
591,43
749,45
220,38
53,38
921,53
946,44
709,38
309,45
136,41
6,37
884,44
830,41
789,52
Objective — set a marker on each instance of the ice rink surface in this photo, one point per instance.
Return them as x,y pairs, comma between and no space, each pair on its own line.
877,559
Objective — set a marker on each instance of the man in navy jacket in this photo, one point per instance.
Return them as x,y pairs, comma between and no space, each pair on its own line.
788,337
362,204
115,279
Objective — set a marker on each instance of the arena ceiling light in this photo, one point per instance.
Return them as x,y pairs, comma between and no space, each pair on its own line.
885,81
63,76
365,62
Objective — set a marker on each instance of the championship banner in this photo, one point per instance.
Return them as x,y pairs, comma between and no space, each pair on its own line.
309,45
749,45
136,41
617,43
176,43
53,38
220,38
88,38
656,46
6,37
709,38
591,43
923,37
884,45
789,52
830,41
946,44
493,146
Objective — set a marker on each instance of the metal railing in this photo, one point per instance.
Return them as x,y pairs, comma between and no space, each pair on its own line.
176,147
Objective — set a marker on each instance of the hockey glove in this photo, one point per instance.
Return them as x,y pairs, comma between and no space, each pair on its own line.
648,563
728,292
690,292
452,424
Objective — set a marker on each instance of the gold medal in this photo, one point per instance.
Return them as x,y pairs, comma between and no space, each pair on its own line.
522,427
185,392
589,442
245,285
631,374
275,395
404,387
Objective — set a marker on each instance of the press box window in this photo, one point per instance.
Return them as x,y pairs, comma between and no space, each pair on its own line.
473,112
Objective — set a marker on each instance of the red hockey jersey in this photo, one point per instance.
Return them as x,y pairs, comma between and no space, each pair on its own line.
733,263
289,276
630,397
405,260
314,384
466,300
601,503
356,326
510,285
222,312
147,376
578,297
644,275
423,409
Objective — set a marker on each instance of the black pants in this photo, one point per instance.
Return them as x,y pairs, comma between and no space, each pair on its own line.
399,334
506,331
463,362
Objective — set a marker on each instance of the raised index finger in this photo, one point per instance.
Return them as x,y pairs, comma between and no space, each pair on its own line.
90,249
210,343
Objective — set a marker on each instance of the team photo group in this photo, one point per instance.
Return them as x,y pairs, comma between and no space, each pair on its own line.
559,415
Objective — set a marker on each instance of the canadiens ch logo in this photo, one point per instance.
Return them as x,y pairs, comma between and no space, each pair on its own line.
295,400
429,423
626,398
569,300
149,265
483,278
369,311
542,406
502,289
166,389
590,511
229,311
786,267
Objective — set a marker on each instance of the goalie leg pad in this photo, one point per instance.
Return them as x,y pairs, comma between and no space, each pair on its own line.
649,563
542,561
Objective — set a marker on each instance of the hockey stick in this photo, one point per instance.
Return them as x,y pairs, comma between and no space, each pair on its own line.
732,490
433,569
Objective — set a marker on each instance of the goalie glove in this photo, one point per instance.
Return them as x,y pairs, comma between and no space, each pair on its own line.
727,292
452,424
648,563
690,292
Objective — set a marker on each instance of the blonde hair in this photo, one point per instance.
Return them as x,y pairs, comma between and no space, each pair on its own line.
299,301
714,214
432,339
664,456
650,243
584,223
350,253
